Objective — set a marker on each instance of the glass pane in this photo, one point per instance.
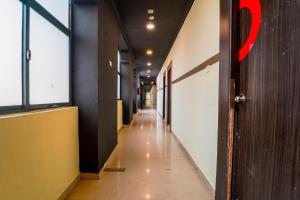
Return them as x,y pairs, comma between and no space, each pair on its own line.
10,53
119,91
119,60
49,65
58,8
119,78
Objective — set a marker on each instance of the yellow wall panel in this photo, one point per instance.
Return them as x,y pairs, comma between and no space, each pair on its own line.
39,156
120,115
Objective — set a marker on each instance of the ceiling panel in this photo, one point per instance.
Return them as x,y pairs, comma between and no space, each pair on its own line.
169,16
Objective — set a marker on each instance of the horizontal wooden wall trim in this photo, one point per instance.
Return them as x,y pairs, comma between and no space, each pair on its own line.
212,60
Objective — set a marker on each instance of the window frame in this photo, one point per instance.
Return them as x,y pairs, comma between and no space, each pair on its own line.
26,6
119,75
119,85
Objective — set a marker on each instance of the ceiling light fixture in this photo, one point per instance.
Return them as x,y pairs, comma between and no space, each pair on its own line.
150,26
148,71
150,11
149,63
148,76
149,52
151,17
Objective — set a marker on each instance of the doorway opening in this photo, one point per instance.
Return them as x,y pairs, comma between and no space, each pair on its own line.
164,96
169,104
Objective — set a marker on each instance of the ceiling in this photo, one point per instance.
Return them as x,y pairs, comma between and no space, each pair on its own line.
169,17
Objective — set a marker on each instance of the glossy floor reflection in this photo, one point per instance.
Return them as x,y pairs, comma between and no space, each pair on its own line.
156,167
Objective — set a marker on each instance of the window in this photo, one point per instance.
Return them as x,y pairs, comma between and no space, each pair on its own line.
58,8
119,77
38,77
10,53
49,65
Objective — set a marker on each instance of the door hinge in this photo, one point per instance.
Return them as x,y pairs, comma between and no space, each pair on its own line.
237,135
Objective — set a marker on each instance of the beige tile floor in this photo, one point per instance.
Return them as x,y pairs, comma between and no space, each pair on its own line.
156,167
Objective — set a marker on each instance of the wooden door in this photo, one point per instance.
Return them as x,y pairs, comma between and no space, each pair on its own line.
164,97
169,108
268,123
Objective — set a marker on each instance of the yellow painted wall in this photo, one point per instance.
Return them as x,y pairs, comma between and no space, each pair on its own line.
39,155
120,115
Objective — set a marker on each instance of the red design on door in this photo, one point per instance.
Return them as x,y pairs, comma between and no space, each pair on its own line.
255,9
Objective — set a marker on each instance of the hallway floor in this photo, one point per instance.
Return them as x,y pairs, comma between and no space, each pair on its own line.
156,167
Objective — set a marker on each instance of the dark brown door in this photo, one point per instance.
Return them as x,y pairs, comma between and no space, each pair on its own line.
268,127
164,97
169,109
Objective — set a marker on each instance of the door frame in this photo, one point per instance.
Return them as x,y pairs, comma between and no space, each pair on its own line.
227,89
164,96
169,94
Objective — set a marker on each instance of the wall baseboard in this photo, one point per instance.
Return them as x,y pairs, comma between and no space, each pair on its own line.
109,158
69,189
199,171
96,176
89,176
120,129
164,120
128,125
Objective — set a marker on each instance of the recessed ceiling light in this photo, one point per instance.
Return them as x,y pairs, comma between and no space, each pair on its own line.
151,17
149,63
150,11
149,52
148,71
148,76
150,26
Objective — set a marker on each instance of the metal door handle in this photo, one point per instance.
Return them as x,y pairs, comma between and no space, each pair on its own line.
240,99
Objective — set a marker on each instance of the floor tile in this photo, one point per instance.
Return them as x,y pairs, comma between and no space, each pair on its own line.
157,168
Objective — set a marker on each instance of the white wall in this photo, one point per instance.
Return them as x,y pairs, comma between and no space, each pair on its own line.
195,99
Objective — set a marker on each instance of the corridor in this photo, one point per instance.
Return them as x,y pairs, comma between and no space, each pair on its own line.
156,167
154,99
